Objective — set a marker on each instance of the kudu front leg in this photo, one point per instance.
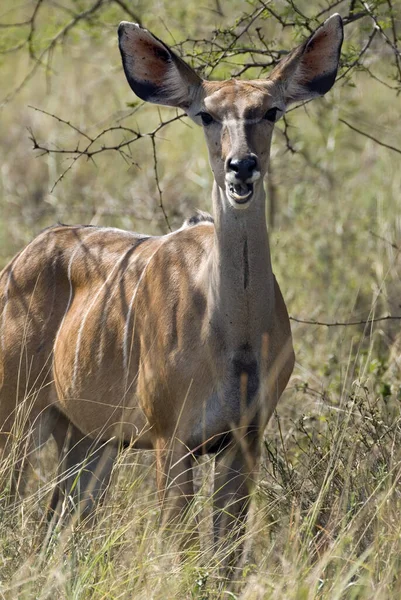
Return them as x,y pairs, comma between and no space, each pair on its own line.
235,471
175,486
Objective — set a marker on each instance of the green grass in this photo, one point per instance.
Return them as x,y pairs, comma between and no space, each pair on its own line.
325,520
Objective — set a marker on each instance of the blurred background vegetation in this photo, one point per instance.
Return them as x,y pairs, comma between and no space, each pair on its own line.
76,146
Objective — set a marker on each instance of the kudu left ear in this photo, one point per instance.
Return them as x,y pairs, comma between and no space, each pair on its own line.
310,70
152,69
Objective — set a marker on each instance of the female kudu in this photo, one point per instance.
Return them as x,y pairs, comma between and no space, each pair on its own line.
180,343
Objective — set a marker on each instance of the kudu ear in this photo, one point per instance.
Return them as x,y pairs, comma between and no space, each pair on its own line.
310,70
152,69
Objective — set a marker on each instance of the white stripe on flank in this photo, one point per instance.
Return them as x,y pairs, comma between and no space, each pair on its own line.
130,308
81,328
137,252
53,301
131,304
78,247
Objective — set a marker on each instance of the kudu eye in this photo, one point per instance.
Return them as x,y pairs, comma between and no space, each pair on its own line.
206,118
271,114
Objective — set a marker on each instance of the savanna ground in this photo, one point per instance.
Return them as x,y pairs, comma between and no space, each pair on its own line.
326,515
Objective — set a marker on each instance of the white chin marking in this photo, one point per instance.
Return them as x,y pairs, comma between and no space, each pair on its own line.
239,200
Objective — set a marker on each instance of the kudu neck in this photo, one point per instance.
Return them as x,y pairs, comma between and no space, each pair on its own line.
242,281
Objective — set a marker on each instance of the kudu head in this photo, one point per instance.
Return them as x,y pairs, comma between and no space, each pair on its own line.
237,116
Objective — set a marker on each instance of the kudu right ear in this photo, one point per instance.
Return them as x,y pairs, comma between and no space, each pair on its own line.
310,70
152,69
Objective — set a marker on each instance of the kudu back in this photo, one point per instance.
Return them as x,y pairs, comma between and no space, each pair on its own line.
179,343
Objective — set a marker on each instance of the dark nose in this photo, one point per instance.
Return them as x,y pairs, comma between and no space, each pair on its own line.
243,168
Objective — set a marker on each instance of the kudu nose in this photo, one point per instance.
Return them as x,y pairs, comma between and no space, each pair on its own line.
243,168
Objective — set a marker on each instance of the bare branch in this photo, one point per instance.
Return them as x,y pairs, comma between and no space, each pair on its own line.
62,33
129,12
252,19
392,44
60,120
12,25
347,323
328,9
357,61
91,149
371,137
161,205
389,242
33,28
288,142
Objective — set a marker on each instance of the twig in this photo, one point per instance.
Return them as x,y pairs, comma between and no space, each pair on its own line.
346,323
161,205
371,137
11,25
357,61
297,10
383,239
278,17
33,27
351,18
253,65
328,8
60,120
395,38
123,5
379,27
60,35
252,19
395,88
284,131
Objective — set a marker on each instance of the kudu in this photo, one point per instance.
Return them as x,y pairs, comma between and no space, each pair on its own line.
180,343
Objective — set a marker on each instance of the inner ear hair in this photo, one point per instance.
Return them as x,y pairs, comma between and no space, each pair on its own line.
154,72
311,69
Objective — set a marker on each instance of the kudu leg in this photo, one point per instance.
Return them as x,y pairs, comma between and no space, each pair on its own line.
175,489
83,474
36,436
22,448
15,464
235,470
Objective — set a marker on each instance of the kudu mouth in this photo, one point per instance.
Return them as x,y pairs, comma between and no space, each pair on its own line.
240,193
